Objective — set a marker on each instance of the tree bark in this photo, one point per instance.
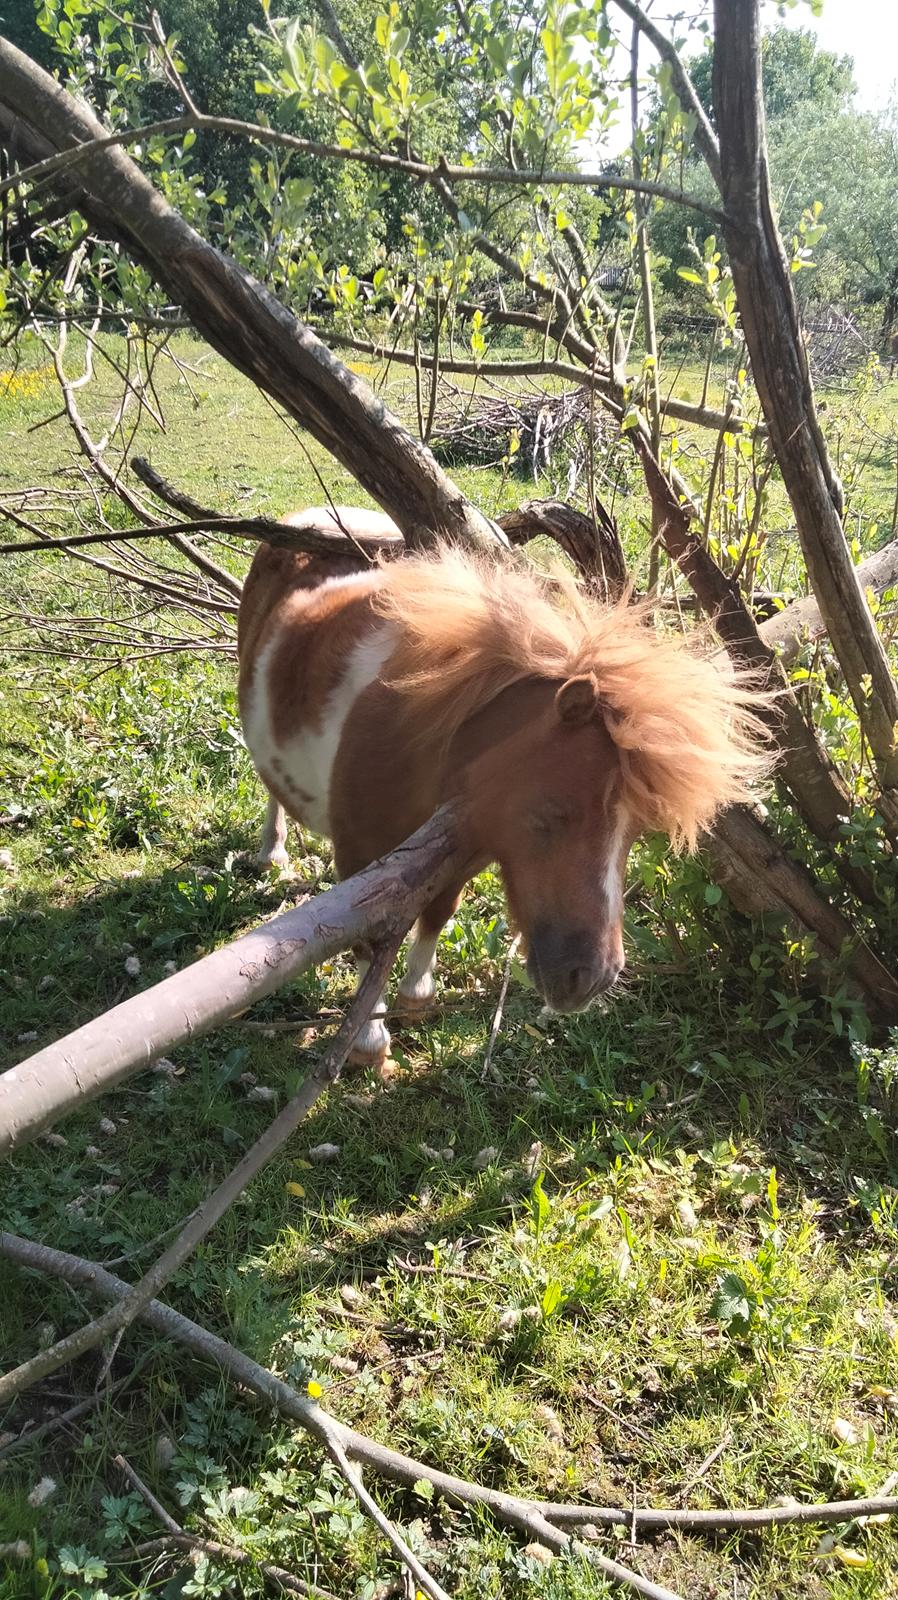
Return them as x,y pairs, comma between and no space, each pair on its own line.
771,325
750,863
237,315
802,621
804,766
132,1035
594,547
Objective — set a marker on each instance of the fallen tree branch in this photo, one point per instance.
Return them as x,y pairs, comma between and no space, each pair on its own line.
530,1518
513,1510
802,620
326,1073
391,1534
211,991
147,1495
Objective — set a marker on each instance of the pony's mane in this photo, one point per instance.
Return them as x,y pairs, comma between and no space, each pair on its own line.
686,728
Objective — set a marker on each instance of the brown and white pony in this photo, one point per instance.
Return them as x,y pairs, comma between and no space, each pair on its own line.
371,694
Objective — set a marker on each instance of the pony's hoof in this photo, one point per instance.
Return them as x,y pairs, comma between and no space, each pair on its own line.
413,1008
267,859
370,1060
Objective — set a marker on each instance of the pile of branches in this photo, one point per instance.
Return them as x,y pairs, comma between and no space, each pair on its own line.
836,344
533,427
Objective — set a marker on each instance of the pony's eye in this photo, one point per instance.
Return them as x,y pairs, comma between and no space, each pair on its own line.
544,823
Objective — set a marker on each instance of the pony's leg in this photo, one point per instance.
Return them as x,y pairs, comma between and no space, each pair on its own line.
273,850
416,990
372,1042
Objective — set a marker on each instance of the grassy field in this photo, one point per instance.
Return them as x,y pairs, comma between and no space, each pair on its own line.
691,1196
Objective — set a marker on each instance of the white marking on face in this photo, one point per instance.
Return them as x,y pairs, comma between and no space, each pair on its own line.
304,764
613,882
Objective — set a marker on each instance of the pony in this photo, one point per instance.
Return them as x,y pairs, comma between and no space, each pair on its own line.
372,692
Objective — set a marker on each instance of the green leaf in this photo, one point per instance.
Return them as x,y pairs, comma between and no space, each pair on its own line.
540,1209
688,276
732,1304
551,1299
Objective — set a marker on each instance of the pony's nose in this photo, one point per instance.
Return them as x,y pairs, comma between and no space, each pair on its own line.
569,973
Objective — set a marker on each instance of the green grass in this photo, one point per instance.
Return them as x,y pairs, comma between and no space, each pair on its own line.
662,1271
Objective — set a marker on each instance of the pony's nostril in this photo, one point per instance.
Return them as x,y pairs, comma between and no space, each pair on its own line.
580,982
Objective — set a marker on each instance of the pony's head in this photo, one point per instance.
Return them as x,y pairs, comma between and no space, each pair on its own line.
570,728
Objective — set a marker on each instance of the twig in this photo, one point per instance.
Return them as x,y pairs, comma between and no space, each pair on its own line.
63,1418
117,1318
404,1551
156,1506
51,1424
500,1007
708,1463
424,1268
622,1422
240,1558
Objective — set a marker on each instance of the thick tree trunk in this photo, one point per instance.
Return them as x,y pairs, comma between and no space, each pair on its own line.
772,331
237,315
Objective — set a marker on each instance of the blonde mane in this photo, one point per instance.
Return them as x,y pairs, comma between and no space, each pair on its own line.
686,729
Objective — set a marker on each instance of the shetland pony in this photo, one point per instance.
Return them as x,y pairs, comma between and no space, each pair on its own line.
370,694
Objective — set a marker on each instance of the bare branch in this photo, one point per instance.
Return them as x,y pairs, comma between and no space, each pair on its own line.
235,1556
406,1470
385,161
705,138
257,528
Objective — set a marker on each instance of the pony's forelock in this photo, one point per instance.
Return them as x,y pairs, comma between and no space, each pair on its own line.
686,729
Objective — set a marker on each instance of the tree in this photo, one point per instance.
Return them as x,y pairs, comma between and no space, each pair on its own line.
795,72
528,101
807,101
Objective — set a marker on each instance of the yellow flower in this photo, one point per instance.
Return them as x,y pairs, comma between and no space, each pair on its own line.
314,1390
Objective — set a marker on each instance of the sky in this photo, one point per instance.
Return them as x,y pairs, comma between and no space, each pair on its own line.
867,30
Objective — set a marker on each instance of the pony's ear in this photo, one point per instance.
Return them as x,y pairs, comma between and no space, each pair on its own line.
577,700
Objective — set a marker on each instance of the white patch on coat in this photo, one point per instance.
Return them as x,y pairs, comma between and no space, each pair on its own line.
357,521
373,1039
418,984
273,849
303,765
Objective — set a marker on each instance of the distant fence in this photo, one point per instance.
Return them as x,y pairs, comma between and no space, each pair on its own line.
835,343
